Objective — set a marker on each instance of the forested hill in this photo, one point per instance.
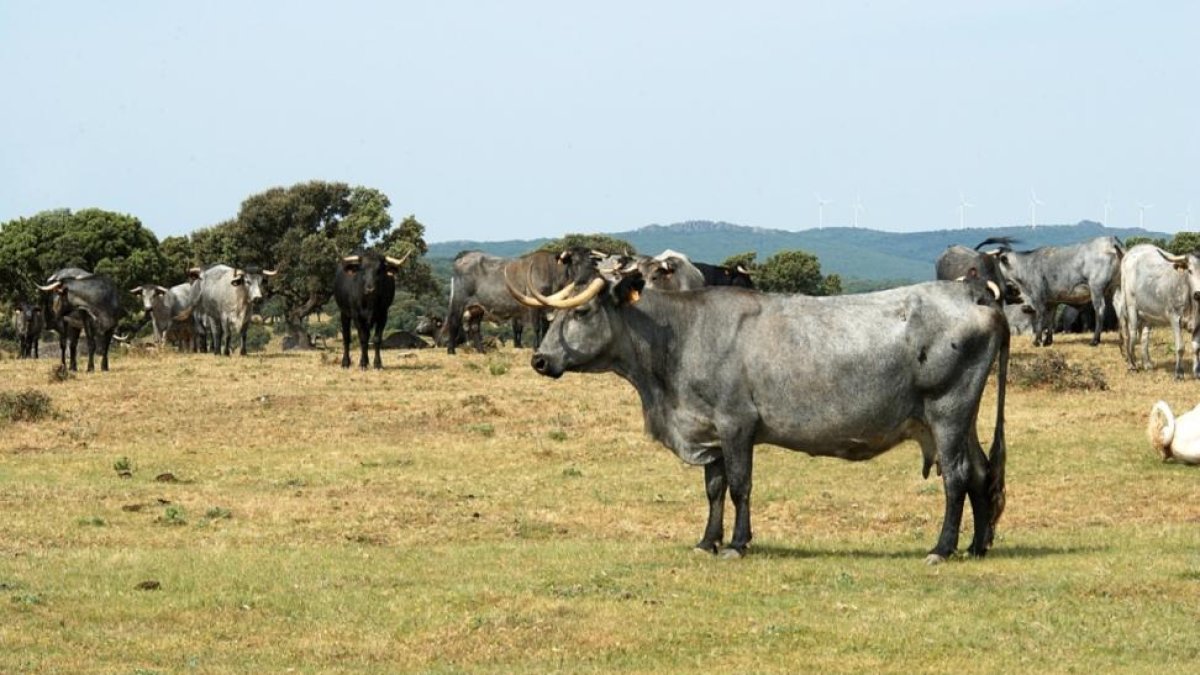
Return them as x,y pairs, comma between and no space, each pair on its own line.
853,253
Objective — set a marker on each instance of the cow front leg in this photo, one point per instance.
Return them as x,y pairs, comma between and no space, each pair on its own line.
90,334
378,345
715,486
345,341
364,342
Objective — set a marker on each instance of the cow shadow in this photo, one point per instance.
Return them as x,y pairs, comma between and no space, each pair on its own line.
919,552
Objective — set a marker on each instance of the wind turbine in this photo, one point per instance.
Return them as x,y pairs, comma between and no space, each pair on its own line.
1142,213
1034,202
858,207
1107,206
821,209
963,205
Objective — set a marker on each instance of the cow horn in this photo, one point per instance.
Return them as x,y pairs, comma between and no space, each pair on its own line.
994,288
745,271
135,290
270,273
161,289
52,287
352,259
519,296
593,289
396,263
1177,259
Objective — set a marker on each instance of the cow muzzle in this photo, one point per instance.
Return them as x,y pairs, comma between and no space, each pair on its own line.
543,366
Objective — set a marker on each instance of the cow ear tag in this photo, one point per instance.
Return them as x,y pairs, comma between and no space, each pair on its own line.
634,296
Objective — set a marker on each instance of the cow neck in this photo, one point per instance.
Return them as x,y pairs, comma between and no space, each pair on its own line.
645,352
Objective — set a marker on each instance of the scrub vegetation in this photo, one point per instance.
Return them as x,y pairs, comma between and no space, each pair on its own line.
448,514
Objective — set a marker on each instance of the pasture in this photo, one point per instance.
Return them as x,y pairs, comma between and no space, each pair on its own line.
187,513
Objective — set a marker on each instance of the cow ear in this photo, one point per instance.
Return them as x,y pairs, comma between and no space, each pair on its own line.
628,290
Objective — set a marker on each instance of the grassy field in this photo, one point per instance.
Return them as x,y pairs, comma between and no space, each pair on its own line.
187,513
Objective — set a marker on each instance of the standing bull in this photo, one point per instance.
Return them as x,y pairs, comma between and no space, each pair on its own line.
1158,288
28,323
478,279
364,286
719,371
84,302
1070,275
163,305
224,302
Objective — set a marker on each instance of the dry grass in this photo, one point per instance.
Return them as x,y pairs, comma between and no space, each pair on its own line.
462,514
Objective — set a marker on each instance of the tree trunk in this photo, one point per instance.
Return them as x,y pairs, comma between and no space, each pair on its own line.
298,337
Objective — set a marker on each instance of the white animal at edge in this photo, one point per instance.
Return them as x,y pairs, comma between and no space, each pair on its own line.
1176,438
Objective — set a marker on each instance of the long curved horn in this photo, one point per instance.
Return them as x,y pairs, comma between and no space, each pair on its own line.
52,287
593,289
352,259
994,288
1172,258
135,290
519,296
396,263
562,294
270,273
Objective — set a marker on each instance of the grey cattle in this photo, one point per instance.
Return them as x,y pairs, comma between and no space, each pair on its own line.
721,370
28,323
224,302
81,301
162,305
1073,275
957,262
482,279
1159,289
667,271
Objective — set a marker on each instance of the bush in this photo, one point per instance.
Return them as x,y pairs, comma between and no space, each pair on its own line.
1050,369
30,405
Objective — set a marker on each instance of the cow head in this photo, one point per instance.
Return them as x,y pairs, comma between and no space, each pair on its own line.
370,268
584,325
253,280
152,295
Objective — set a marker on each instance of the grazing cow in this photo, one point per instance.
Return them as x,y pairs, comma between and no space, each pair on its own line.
1070,275
87,302
364,286
1175,438
224,302
28,323
957,262
479,279
719,275
720,370
162,305
1158,288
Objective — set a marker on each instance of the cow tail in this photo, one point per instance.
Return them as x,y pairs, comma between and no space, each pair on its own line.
999,452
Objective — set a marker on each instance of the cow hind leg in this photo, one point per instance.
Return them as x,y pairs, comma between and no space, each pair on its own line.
979,492
737,450
715,486
953,449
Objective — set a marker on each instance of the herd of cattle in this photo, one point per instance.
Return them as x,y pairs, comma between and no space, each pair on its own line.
719,370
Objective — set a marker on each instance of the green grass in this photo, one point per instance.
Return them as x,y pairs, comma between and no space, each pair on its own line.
437,518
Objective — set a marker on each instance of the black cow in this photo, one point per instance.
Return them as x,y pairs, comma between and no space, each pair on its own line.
719,275
364,287
721,370
88,303
29,324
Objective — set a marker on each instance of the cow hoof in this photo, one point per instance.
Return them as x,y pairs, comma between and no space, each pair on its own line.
731,554
934,559
701,550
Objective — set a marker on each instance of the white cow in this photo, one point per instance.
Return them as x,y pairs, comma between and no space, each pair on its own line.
1176,438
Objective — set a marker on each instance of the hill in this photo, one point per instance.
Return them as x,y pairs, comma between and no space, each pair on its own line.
853,253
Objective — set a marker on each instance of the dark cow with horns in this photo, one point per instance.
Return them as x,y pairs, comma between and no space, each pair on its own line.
720,370
364,286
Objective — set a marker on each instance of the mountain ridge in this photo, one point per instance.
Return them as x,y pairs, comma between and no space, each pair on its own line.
853,253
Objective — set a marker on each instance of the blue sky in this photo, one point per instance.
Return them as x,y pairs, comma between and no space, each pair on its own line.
520,119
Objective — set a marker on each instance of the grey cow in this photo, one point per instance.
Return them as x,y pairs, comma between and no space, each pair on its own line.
163,305
1159,288
224,302
1073,275
721,370
81,301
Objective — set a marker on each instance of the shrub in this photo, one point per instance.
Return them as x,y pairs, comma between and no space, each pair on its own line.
30,405
1050,369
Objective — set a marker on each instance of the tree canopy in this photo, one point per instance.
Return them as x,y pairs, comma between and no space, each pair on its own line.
598,242
788,272
113,244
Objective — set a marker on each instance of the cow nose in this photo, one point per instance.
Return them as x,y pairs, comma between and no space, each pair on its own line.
539,363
